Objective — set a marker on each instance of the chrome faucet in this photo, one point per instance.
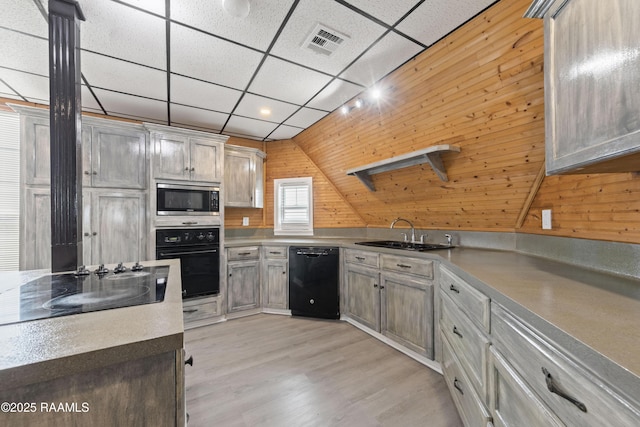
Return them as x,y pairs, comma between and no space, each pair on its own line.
413,230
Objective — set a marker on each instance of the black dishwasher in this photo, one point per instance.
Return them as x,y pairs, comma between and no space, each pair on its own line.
313,282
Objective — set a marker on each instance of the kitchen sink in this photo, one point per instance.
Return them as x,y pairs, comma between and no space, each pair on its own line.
408,246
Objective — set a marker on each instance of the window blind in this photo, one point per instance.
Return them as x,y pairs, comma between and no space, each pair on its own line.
295,204
9,190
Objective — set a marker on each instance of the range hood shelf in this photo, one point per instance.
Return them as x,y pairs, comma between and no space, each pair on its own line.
430,155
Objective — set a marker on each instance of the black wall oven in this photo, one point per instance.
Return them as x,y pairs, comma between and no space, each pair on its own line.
199,252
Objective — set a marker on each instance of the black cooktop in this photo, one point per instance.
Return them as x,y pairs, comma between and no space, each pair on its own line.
69,293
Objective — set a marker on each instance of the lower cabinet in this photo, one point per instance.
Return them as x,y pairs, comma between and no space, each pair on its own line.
392,295
200,311
243,278
275,292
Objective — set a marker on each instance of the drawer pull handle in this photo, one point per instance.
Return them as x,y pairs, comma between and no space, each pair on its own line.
360,258
275,253
193,310
244,253
457,332
454,289
403,266
553,388
456,384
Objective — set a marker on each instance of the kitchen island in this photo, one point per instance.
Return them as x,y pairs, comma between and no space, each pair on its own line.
122,366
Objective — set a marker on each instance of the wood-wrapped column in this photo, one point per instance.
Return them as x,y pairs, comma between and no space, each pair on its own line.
66,134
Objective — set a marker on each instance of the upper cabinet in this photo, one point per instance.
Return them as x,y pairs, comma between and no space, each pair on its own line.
186,155
592,85
114,154
243,177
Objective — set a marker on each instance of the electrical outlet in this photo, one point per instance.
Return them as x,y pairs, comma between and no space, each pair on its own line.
546,219
245,221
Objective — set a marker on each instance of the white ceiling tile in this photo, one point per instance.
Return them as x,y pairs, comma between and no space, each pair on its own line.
256,30
334,95
361,33
30,86
121,76
434,19
249,127
23,16
211,59
201,94
6,91
288,82
197,117
284,132
154,6
24,53
131,106
89,103
251,105
123,32
383,58
305,117
381,9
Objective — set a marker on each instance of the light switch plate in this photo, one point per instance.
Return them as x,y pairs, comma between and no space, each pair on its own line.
245,221
546,219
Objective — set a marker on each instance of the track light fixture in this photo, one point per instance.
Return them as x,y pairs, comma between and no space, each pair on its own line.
373,95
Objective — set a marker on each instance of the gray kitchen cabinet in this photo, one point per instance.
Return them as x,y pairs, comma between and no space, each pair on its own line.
464,325
201,311
243,177
114,154
592,85
275,294
243,278
553,380
114,227
406,287
186,155
363,295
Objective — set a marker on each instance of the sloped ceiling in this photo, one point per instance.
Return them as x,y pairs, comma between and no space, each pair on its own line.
191,64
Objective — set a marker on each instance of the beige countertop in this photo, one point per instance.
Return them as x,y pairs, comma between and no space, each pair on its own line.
41,350
591,314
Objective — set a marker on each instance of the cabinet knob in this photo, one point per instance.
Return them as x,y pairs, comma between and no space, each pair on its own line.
95,173
230,274
94,233
284,272
193,169
87,234
186,169
375,285
87,173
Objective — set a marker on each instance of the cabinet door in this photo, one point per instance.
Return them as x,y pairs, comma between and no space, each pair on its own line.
363,296
118,221
35,229
171,157
118,158
35,141
243,281
407,311
205,163
276,284
238,179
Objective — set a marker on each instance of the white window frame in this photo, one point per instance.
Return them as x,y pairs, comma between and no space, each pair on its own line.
281,227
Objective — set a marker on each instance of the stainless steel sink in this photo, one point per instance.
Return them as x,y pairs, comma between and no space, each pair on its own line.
408,246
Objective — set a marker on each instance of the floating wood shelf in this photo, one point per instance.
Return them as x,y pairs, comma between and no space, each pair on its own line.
430,155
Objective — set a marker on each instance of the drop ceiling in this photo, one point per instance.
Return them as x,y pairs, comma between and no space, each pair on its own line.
188,63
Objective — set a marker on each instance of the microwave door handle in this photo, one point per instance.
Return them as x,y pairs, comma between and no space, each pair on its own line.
212,251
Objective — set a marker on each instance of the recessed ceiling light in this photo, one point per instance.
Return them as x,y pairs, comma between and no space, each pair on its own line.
265,111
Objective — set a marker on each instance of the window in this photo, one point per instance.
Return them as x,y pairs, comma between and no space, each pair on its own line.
9,190
293,207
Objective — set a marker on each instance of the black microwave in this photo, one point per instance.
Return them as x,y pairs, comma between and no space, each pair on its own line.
174,199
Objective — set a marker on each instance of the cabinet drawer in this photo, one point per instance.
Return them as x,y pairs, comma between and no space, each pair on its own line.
470,344
248,252
361,257
472,302
275,252
513,404
471,409
540,363
200,309
420,267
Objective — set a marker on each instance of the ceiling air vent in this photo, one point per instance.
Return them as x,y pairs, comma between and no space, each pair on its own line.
324,40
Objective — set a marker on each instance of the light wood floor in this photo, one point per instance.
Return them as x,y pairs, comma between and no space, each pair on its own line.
272,370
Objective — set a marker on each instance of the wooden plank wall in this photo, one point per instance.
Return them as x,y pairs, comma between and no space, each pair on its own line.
480,88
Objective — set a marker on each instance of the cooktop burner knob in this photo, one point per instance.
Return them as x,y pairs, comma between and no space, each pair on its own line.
119,268
200,236
210,237
137,267
102,270
82,271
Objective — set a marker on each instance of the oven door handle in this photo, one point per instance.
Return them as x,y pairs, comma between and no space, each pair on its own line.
212,251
